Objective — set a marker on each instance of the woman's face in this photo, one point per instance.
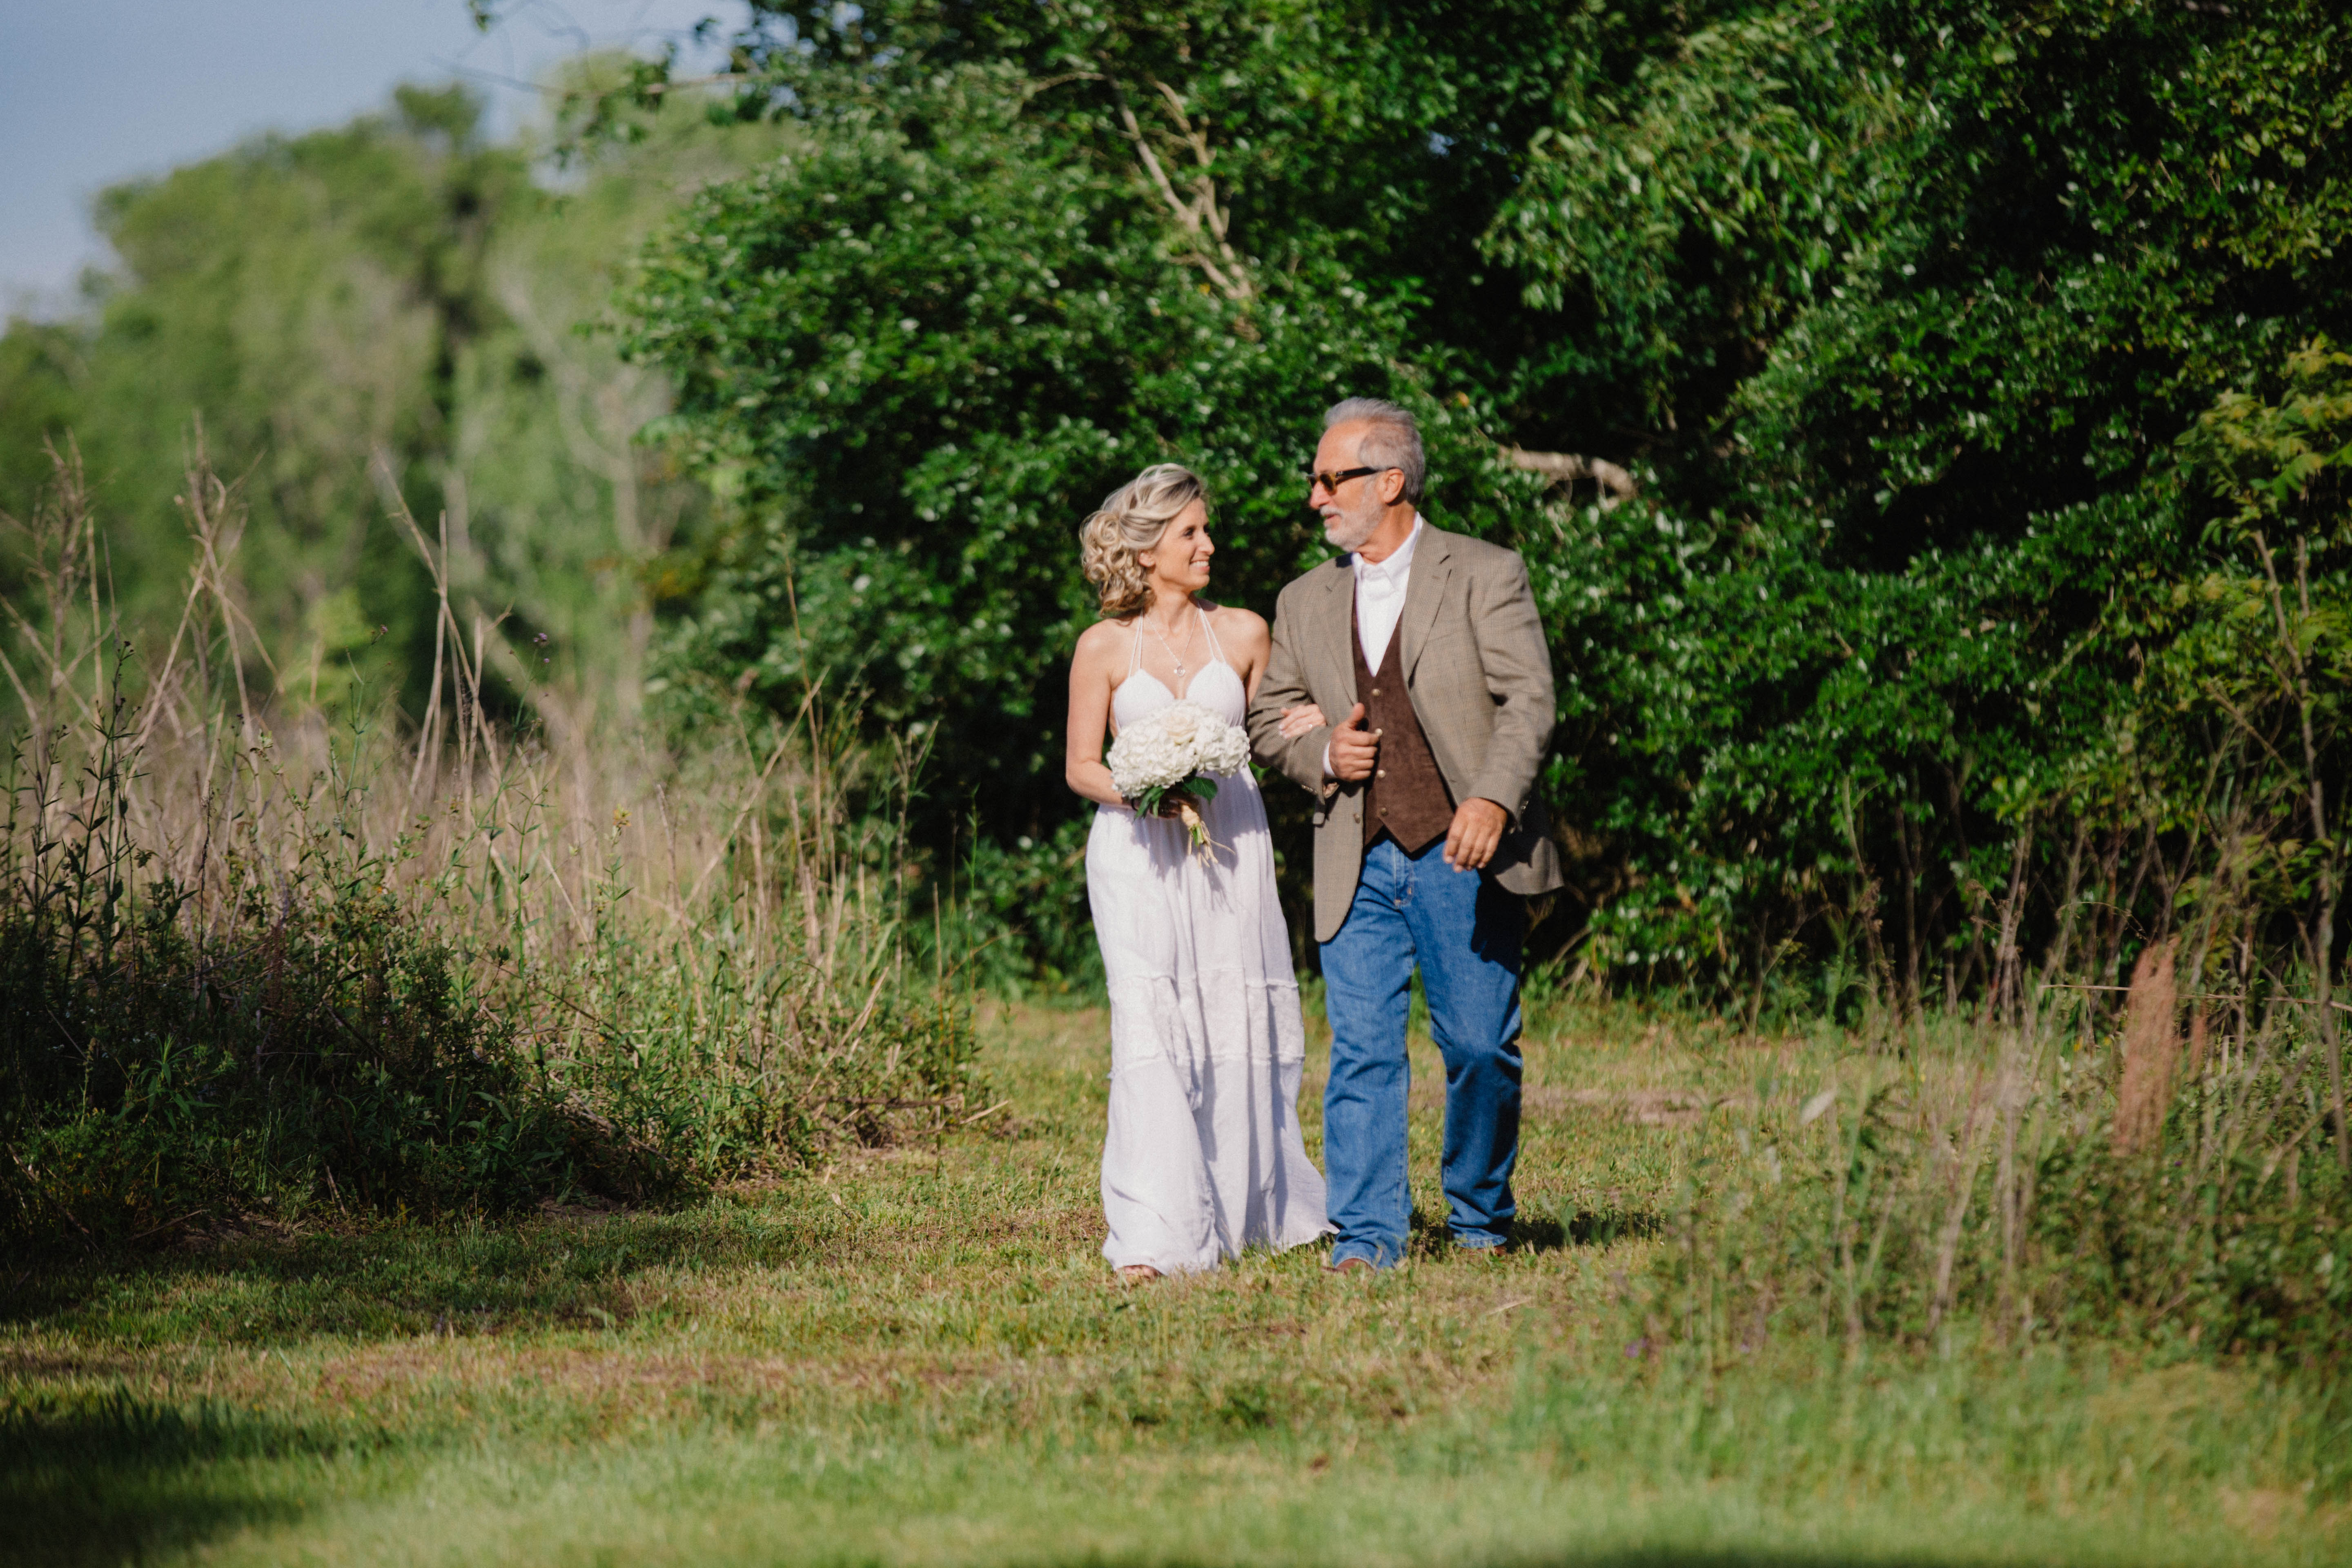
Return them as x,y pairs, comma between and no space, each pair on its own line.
1181,559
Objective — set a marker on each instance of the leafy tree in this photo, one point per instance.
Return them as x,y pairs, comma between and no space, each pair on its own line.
1996,264
387,311
1900,311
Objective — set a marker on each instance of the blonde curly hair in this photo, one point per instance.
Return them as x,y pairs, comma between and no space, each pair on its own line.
1132,519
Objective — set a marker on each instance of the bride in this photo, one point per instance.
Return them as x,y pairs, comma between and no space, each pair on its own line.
1202,1157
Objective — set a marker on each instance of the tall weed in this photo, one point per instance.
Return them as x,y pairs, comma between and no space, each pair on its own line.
1947,1182
256,971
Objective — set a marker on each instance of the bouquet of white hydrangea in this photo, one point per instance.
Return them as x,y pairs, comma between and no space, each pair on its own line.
1182,750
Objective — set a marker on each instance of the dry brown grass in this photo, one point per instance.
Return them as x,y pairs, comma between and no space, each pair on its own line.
2151,1050
521,829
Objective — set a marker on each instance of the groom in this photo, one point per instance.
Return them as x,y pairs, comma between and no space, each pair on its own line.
1428,833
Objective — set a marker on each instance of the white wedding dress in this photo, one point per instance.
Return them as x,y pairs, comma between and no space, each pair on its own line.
1203,1156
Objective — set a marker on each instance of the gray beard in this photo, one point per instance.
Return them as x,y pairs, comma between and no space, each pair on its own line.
1347,536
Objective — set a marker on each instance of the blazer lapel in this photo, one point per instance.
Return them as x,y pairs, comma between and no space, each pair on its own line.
1424,589
1330,641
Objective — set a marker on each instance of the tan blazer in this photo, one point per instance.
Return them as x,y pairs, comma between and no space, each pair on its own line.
1474,660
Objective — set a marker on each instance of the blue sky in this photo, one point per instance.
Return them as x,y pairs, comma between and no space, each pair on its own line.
94,91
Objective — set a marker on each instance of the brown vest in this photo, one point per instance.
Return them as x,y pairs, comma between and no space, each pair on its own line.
1406,797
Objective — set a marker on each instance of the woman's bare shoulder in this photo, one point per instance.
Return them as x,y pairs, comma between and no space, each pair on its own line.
1233,622
1102,639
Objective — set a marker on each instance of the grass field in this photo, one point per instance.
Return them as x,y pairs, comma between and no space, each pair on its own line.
916,1355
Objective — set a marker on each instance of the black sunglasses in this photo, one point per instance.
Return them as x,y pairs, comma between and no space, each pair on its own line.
1333,481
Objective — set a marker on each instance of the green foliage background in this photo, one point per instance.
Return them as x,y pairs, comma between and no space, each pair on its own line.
1901,314
1971,359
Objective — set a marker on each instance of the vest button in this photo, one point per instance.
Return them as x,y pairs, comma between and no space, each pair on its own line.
1379,773
1376,691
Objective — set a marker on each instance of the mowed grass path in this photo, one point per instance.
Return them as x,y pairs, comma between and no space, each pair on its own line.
917,1355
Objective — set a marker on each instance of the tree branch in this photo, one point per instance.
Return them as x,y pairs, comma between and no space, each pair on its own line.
1235,286
655,88
1205,187
1614,482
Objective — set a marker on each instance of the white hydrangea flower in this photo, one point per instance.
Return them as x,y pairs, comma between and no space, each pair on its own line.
1164,749
1225,750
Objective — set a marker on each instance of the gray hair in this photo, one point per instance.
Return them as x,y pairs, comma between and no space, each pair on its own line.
1393,442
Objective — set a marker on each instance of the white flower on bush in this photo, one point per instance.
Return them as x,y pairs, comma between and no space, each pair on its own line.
1182,749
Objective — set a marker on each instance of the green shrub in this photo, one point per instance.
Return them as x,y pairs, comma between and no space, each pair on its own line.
298,1044
289,994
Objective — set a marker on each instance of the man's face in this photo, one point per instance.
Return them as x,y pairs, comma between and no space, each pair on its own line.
1351,514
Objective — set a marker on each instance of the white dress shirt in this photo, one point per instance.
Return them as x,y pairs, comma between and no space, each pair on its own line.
1379,596
1380,604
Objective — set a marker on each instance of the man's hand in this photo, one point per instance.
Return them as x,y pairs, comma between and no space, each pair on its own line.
1353,747
1478,828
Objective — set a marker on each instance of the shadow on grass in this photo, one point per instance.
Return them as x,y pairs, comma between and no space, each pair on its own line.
1586,1227
119,1480
573,1271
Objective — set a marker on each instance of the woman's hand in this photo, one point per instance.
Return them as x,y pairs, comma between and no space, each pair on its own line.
1298,721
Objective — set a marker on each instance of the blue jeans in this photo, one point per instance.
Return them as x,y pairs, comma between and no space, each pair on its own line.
1465,933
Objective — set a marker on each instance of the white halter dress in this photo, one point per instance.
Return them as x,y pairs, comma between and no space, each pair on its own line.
1203,1157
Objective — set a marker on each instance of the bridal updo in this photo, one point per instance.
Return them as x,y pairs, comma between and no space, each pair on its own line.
1112,542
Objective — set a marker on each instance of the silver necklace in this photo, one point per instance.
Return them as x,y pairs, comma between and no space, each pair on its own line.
1172,652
